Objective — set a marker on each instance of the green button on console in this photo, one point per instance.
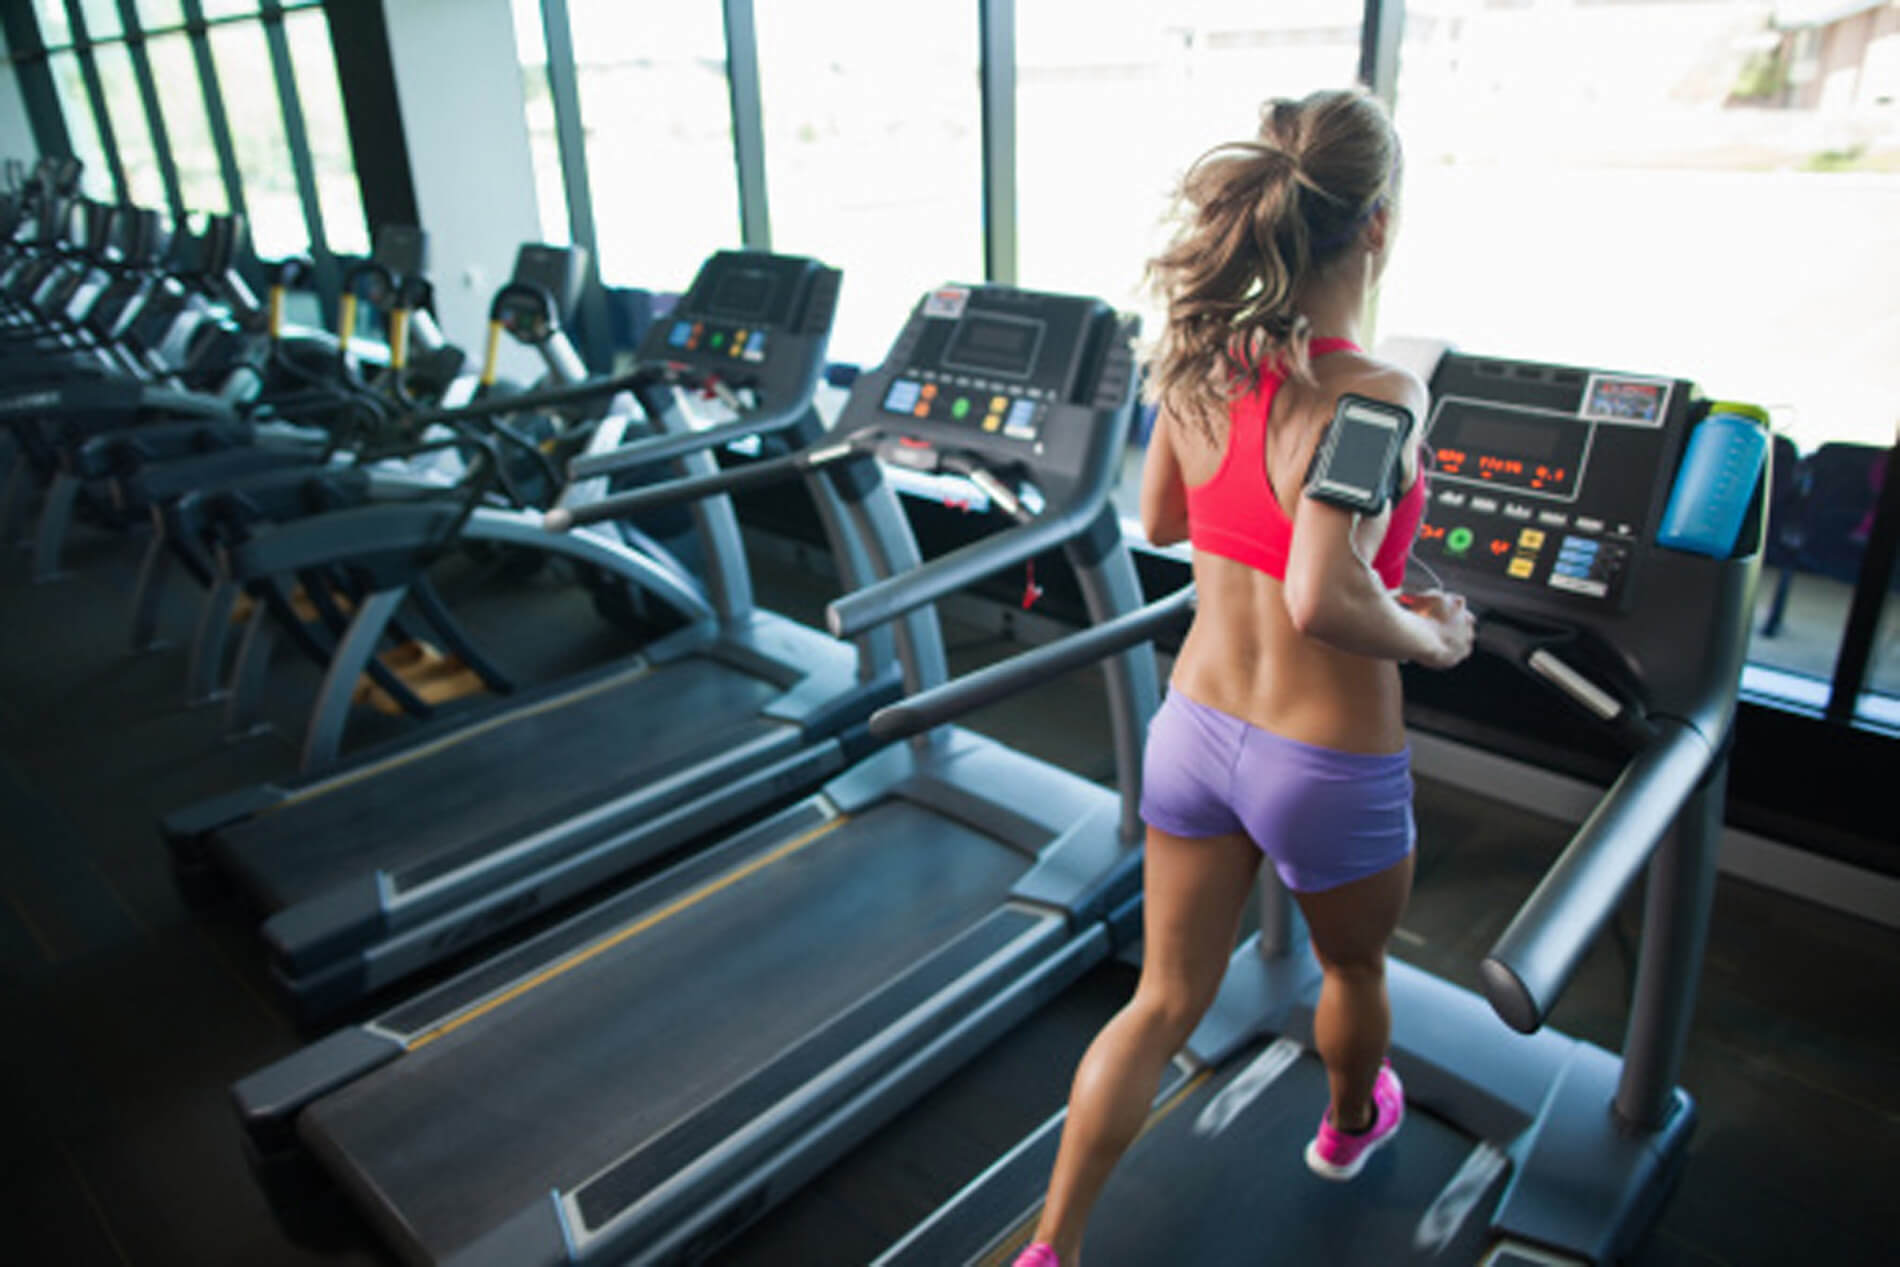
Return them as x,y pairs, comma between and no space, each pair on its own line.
961,409
1458,540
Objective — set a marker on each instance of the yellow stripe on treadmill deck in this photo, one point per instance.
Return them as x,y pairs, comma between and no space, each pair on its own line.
403,758
676,906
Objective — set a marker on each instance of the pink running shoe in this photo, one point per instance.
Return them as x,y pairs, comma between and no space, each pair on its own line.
1334,1154
1037,1255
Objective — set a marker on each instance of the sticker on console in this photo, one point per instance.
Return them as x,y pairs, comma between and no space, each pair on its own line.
949,301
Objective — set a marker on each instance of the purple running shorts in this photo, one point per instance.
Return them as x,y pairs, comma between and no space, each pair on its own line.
1323,817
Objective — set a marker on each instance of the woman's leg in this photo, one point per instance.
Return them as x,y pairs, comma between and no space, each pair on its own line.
1195,890
1352,1026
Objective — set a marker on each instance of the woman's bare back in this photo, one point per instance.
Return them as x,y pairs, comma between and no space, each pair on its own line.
1244,654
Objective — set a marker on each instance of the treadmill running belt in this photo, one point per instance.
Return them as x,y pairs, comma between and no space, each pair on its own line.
529,772
543,1092
1221,1179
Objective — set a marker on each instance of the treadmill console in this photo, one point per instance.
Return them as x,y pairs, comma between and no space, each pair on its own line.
991,359
751,319
1547,481
1013,378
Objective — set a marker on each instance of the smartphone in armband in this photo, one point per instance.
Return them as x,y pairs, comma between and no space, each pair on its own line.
1358,464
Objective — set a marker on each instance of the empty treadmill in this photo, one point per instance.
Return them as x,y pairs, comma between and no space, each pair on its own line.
1555,496
412,851
642,1082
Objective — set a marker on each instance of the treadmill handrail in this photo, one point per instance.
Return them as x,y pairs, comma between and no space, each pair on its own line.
1533,961
671,492
852,614
548,397
961,695
664,448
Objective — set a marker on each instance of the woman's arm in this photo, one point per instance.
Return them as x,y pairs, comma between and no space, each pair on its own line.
1163,491
1333,594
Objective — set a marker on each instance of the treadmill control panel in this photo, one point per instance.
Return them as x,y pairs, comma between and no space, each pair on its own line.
750,319
739,310
1546,478
991,360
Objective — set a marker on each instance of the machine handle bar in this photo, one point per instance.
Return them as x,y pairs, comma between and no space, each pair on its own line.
973,690
1533,961
667,447
547,398
730,480
886,600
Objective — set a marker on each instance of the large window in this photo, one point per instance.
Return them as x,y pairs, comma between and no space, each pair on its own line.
69,85
276,212
1115,100
326,127
873,151
187,127
653,96
550,193
241,98
130,130
1691,188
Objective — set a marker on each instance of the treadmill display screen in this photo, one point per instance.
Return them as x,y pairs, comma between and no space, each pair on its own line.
741,295
1491,447
992,343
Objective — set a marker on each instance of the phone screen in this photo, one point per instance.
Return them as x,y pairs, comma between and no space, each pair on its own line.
1361,455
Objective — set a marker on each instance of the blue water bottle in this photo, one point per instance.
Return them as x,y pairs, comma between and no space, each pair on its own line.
1717,481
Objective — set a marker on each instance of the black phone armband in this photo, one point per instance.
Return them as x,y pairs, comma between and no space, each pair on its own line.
1359,461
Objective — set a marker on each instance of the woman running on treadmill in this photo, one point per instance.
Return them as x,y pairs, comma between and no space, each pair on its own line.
1283,730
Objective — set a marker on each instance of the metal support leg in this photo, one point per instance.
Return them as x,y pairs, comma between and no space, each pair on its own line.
324,737
13,502
56,518
1677,906
149,593
204,678
242,716
1282,930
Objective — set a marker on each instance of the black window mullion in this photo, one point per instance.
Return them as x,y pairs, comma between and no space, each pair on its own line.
748,123
154,116
35,74
215,116
570,135
297,139
997,71
1380,31
1870,596
96,97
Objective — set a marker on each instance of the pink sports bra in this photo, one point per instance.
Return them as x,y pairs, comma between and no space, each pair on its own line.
1236,514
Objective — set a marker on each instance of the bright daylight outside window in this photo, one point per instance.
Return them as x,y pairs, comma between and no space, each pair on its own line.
95,177
873,152
200,184
652,78
1116,98
550,194
1703,189
308,34
127,109
257,134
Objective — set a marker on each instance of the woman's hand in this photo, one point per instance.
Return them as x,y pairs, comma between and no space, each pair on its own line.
1452,626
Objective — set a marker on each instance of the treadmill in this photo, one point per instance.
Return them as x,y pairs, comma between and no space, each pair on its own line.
1552,499
411,851
640,1083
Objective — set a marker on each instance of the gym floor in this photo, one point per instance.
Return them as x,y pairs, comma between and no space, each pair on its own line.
129,1015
